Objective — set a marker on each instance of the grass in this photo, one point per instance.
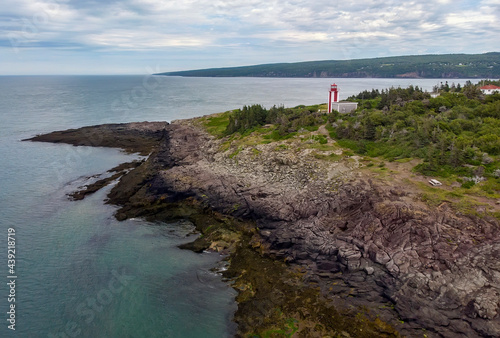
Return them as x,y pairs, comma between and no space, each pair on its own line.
236,152
276,136
404,160
216,124
241,142
321,147
460,199
281,147
332,157
256,152
349,144
489,188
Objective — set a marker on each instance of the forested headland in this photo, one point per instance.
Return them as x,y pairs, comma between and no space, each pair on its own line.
414,66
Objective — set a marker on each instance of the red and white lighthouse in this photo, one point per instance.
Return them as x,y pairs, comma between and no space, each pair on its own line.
335,98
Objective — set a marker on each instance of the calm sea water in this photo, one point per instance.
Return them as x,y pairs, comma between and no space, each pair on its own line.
80,273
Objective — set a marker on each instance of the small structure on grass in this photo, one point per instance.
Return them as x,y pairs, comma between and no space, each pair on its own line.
435,183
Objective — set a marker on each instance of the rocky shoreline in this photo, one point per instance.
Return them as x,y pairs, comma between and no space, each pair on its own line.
317,248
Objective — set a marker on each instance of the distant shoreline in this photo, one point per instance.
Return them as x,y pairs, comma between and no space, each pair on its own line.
446,66
330,77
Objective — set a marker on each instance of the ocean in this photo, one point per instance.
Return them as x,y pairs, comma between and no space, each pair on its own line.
76,271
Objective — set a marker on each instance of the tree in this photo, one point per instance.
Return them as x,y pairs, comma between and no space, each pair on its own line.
369,129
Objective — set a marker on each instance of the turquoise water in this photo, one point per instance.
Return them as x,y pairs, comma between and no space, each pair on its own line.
80,273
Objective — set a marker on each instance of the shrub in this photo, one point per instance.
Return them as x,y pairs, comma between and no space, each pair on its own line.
468,184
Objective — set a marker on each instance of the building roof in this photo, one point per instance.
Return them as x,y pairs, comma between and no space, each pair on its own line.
489,87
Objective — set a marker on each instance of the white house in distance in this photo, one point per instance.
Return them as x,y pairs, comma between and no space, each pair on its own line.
334,104
490,89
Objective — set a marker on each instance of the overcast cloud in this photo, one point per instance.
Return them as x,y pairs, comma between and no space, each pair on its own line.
112,37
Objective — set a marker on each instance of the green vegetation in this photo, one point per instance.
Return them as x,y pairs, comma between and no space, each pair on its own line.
216,124
417,66
456,134
285,120
254,125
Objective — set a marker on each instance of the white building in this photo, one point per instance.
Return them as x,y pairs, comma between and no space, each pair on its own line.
490,89
344,107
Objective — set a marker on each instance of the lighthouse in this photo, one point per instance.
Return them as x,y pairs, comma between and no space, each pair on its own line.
335,93
334,103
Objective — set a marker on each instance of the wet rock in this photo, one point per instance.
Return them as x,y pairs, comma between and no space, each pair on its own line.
329,266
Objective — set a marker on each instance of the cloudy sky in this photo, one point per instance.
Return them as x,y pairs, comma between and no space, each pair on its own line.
142,36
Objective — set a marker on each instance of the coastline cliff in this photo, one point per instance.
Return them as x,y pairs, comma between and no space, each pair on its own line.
320,242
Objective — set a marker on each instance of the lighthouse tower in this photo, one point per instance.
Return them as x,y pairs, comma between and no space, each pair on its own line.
335,93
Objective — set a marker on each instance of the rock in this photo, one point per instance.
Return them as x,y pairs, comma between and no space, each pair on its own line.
369,270
329,266
486,304
441,269
379,256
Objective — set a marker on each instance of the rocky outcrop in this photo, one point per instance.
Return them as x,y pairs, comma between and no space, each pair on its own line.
439,269
364,241
136,137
